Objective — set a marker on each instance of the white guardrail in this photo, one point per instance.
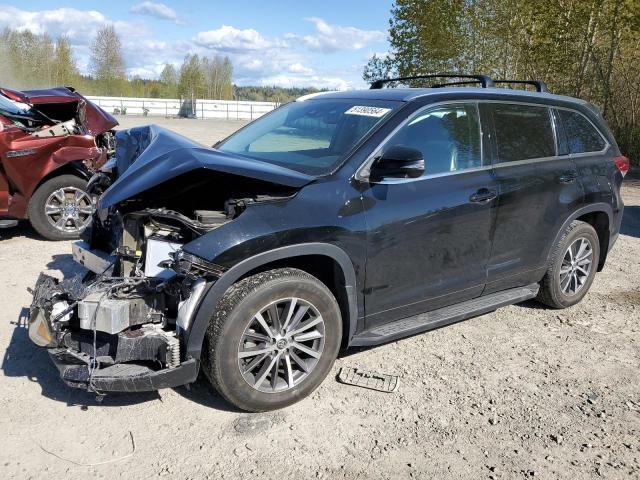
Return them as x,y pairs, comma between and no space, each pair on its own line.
174,107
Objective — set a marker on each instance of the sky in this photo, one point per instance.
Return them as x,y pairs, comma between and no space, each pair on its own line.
323,43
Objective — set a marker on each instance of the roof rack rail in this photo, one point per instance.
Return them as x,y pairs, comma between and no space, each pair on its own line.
539,84
484,80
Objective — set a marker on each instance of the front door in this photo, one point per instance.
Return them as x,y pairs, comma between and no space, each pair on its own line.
429,238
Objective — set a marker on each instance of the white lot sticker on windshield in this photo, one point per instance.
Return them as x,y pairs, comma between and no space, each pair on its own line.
367,111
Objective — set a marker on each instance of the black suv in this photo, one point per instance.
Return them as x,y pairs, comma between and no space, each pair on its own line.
341,219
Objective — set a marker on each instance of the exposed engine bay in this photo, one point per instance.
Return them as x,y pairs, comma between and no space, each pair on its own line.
139,294
132,308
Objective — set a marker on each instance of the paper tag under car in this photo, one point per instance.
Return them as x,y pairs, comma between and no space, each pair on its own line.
367,111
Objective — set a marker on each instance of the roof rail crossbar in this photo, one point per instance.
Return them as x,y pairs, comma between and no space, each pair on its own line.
484,80
538,84
443,85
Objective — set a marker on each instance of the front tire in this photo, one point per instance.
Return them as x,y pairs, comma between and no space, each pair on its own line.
272,340
61,208
572,268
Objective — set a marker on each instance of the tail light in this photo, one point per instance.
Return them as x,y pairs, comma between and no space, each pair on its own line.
623,164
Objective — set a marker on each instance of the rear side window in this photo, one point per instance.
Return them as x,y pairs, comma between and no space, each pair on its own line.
523,132
582,137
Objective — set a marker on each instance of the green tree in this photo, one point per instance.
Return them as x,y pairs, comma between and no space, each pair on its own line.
191,82
377,68
107,62
169,78
65,70
226,79
427,36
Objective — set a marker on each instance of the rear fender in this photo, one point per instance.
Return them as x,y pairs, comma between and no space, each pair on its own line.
593,208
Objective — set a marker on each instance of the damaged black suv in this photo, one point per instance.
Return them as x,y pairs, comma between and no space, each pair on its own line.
341,219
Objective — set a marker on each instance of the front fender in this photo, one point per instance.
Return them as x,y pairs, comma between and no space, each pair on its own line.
323,218
218,288
47,155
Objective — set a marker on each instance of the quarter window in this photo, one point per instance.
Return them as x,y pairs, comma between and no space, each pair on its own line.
448,137
523,132
582,137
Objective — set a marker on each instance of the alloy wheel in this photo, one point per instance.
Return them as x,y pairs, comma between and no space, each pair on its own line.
69,209
281,345
576,266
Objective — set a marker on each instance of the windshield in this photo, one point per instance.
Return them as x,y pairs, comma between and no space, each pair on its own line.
311,136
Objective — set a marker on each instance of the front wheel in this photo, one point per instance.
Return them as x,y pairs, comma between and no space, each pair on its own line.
61,208
572,268
272,340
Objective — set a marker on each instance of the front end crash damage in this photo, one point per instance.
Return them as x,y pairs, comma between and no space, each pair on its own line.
123,325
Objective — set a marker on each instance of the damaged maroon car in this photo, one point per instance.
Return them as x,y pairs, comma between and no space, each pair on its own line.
51,142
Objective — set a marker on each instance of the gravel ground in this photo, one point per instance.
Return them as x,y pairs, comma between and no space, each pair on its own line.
522,392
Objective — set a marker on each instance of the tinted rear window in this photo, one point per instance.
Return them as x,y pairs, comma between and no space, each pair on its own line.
522,132
582,137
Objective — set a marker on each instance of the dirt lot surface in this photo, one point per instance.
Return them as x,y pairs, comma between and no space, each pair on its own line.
522,392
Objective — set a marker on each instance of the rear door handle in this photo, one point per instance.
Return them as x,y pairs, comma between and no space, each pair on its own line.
484,195
568,177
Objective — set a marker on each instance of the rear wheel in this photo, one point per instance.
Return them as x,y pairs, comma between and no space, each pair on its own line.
272,340
61,208
572,268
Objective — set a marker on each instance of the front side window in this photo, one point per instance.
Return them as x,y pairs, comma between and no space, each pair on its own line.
523,132
448,137
311,136
581,135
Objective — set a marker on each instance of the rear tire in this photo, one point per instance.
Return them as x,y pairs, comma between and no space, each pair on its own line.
572,267
67,194
301,350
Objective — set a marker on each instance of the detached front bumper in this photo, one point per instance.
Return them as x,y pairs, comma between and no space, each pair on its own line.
144,357
121,377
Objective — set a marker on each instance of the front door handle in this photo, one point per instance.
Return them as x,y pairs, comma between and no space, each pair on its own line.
484,195
568,177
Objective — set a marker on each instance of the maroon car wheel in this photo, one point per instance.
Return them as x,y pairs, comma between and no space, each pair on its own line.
60,209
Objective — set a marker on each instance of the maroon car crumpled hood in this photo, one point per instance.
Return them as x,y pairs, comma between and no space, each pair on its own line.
97,121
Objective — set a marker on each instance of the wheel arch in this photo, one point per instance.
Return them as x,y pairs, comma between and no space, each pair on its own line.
291,256
600,217
75,167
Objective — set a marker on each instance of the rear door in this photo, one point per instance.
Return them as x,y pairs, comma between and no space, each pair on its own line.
429,238
538,188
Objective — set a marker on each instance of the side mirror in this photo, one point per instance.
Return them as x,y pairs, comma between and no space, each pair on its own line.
398,161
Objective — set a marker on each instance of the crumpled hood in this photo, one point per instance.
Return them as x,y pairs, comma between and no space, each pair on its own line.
150,155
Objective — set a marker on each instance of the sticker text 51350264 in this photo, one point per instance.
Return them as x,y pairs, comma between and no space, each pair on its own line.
367,111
